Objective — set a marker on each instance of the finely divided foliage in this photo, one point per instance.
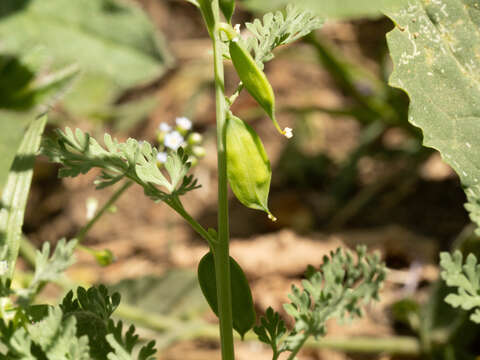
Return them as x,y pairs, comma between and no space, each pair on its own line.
466,278
435,47
49,268
78,329
278,29
79,153
338,289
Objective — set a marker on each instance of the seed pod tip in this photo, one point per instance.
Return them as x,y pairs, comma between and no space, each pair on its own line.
271,217
288,132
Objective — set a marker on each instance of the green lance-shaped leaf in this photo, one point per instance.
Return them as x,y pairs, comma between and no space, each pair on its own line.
243,311
435,49
254,80
15,194
227,7
248,168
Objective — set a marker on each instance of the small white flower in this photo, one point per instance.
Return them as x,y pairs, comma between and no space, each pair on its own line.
235,39
237,28
173,140
162,157
3,267
288,132
164,127
183,123
92,205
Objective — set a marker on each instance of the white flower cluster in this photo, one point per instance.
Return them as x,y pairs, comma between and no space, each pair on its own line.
180,136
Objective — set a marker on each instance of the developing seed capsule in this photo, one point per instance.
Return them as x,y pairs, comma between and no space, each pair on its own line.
227,7
255,81
248,167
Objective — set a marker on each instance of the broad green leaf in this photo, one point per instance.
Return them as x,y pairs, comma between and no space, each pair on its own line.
24,86
15,194
243,311
12,126
104,36
435,48
338,9
110,39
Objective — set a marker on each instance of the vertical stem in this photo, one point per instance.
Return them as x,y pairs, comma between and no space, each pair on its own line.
221,248
83,231
298,347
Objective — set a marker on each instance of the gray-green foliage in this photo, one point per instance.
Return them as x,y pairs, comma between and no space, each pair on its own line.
80,328
278,29
79,152
108,37
112,41
123,345
339,9
337,290
434,47
49,268
466,278
26,85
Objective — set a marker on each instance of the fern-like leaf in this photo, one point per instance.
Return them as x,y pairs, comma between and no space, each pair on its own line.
52,338
79,153
338,289
466,278
278,29
123,345
49,268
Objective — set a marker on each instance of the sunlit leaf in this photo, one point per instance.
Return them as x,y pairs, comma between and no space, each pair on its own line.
435,50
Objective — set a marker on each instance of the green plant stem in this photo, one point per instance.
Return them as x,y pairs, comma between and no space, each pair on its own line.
221,248
84,230
176,205
300,344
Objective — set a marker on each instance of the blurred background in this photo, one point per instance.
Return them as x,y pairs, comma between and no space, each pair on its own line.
354,173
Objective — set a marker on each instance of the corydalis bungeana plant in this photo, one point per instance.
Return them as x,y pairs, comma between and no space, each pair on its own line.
337,290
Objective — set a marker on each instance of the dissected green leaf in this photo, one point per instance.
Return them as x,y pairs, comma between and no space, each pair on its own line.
15,194
466,278
339,9
434,47
337,290
278,29
54,336
79,153
123,345
80,328
49,268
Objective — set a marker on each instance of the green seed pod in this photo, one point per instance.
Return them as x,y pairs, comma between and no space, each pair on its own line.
243,311
248,167
255,81
227,7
